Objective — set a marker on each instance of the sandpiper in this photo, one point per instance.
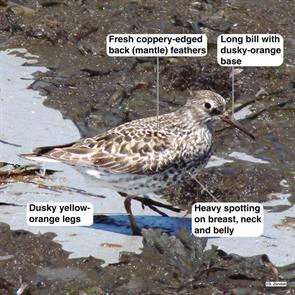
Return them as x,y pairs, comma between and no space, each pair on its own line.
147,155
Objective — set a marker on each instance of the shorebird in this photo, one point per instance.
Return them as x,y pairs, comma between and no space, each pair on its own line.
149,154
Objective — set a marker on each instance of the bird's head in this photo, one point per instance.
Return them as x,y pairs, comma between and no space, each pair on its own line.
206,106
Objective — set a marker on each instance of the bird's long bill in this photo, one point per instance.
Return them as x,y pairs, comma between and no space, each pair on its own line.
230,120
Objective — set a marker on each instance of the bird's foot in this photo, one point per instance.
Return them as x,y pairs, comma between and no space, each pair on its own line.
151,203
136,231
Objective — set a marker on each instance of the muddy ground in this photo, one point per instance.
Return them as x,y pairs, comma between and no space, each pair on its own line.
168,265
98,92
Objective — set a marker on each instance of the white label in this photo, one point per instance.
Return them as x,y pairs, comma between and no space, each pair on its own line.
281,284
246,50
156,44
227,219
59,214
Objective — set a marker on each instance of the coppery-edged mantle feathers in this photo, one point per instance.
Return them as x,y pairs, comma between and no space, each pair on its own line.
134,150
184,139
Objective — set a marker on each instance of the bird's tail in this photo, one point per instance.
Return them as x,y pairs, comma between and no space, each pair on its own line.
36,158
40,153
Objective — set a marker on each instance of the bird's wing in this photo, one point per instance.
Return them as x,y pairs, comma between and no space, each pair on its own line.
136,151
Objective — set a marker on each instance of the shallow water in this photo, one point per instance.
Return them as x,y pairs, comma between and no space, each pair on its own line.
278,236
247,158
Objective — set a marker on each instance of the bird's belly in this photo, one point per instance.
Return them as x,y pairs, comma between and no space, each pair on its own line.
135,184
132,184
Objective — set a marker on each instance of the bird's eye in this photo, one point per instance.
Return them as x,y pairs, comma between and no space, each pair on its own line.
208,105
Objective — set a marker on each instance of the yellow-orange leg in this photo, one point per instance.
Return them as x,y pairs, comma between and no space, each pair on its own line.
135,230
127,203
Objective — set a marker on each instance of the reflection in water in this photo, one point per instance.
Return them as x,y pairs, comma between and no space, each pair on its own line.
248,158
120,223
